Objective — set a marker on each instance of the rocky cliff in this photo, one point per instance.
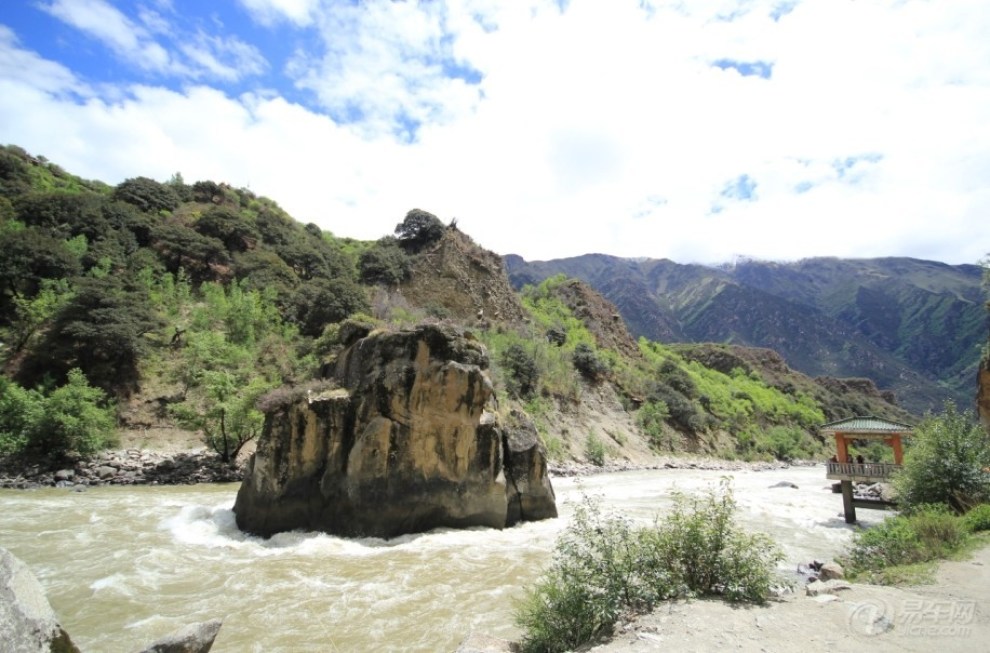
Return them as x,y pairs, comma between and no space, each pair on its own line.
405,438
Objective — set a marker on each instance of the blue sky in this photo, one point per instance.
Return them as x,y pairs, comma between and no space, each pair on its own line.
696,131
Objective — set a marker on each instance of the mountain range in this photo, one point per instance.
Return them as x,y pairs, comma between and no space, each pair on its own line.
914,327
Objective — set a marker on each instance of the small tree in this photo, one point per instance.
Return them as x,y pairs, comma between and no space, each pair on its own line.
946,462
230,419
419,229
522,373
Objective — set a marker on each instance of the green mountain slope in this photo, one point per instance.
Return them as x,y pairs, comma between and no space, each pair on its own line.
914,327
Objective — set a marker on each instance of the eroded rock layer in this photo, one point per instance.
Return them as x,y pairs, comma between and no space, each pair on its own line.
406,440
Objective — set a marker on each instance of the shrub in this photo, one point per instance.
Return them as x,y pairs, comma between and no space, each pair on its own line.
587,362
522,373
650,418
946,463
594,449
73,419
927,532
590,581
978,518
20,410
603,567
702,551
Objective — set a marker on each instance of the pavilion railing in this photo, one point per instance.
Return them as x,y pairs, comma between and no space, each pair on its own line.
868,470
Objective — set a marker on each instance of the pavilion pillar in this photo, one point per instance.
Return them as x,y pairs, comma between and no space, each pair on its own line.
847,502
840,448
895,443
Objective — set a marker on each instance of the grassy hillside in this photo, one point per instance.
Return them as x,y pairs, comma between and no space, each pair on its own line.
171,309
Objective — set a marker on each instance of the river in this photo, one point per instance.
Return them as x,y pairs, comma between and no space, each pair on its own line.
124,566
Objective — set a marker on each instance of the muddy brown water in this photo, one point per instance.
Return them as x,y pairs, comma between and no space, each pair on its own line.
124,566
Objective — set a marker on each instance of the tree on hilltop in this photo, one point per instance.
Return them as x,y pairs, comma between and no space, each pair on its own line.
419,229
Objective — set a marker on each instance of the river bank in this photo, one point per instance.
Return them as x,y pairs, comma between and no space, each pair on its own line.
949,615
120,467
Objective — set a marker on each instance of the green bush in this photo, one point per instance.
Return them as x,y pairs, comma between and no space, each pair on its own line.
587,362
603,567
946,462
928,532
978,518
20,410
594,449
589,584
522,373
651,417
73,419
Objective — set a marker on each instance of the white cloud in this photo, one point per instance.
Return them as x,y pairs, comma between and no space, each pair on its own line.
196,56
268,12
602,128
104,22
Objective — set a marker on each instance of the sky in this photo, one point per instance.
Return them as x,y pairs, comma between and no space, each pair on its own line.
703,131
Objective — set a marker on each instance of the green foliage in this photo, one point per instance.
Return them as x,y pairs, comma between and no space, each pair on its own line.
31,313
522,373
229,419
74,419
604,567
587,362
978,518
384,263
147,195
29,257
229,227
101,329
180,247
21,410
946,462
651,417
928,532
324,301
594,449
419,229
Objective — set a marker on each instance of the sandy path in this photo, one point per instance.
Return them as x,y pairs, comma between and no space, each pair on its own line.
950,615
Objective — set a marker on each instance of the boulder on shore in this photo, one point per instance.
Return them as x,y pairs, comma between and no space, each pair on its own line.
404,438
27,622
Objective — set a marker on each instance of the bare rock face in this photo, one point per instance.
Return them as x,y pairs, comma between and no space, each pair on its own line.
530,494
407,440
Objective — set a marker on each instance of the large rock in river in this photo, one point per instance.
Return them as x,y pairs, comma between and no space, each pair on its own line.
27,622
406,439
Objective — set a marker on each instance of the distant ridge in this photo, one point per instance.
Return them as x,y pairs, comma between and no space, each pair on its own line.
914,327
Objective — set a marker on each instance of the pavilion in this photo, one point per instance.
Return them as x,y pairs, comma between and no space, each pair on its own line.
847,471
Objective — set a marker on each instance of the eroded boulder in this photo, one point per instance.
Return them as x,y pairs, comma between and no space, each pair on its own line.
191,638
406,440
27,622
